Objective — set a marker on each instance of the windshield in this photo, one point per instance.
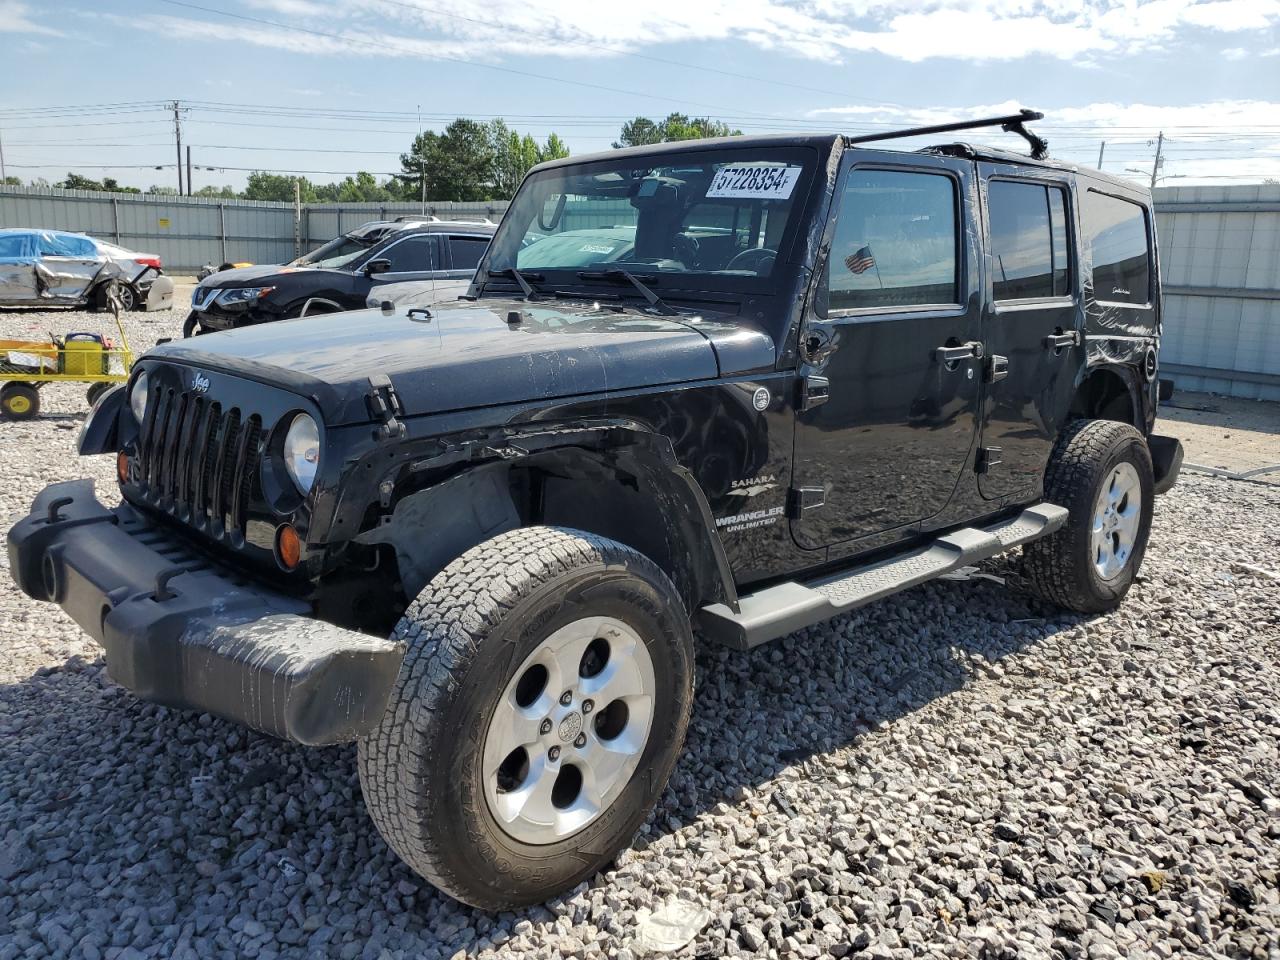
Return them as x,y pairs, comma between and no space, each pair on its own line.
718,214
338,252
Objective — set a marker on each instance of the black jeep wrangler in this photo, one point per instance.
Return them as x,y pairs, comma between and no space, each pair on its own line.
479,539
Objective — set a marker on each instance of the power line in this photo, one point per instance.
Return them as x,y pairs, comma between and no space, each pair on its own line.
381,46
525,32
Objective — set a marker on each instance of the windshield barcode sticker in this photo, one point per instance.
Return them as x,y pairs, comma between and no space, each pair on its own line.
756,183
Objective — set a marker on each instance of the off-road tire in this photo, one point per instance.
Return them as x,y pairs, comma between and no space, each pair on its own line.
465,636
1059,568
19,401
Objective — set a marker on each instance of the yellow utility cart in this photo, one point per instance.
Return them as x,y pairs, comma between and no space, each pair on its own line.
27,365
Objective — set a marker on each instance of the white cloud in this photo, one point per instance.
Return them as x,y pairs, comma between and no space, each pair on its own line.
910,30
17,17
1235,53
1204,142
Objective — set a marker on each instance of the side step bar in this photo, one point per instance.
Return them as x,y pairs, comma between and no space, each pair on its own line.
777,611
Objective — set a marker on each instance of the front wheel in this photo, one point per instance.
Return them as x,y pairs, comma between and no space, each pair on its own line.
542,703
19,401
1100,470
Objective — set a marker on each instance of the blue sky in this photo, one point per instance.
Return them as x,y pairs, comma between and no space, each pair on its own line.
327,87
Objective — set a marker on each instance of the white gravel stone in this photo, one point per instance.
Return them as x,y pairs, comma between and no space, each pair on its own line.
956,771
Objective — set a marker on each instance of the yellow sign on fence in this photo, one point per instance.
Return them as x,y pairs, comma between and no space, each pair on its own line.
164,222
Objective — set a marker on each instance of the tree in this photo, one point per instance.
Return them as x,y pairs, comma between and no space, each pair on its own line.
218,193
513,155
276,186
162,191
12,182
76,182
553,149
677,126
456,164
112,185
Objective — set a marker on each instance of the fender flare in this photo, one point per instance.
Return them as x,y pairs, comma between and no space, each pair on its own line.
626,448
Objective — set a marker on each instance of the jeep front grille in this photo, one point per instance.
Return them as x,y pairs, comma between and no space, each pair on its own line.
198,460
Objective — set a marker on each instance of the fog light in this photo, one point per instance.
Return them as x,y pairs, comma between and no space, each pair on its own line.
122,467
288,547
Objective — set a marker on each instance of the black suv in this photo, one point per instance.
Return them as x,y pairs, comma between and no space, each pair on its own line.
341,274
791,376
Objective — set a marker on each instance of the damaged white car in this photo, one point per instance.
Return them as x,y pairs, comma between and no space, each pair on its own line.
55,268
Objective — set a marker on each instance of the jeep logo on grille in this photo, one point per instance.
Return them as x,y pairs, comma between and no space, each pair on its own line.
199,383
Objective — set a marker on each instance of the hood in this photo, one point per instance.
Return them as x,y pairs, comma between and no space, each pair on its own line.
467,355
245,276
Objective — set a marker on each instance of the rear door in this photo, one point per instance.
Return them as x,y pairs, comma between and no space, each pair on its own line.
464,253
17,268
890,354
67,265
1032,325
416,257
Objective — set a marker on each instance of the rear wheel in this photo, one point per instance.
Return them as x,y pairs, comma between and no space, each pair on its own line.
19,401
95,391
541,706
1101,472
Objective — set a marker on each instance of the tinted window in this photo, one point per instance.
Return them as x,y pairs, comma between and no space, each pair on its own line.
1029,246
411,255
1121,261
67,245
895,241
467,251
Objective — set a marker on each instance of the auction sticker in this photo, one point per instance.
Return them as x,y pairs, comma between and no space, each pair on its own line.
754,183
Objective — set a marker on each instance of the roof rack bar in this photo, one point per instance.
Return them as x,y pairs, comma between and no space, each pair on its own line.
1010,124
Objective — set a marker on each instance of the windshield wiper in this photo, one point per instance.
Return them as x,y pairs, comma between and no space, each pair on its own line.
617,273
522,279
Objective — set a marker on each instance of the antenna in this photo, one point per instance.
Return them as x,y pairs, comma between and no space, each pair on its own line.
1009,124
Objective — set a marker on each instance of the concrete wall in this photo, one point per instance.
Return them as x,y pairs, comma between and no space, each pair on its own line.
1220,263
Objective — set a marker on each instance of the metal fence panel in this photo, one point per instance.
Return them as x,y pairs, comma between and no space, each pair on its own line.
1220,260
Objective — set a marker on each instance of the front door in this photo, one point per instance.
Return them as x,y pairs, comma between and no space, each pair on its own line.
67,265
1032,330
890,359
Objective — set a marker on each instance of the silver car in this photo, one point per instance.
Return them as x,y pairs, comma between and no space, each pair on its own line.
56,268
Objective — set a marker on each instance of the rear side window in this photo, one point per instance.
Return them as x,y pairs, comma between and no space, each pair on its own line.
895,241
1117,232
465,252
66,245
411,255
1029,255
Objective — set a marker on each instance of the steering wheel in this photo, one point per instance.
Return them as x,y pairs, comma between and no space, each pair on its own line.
685,248
757,259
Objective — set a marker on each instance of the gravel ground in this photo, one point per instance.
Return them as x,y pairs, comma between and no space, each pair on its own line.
955,772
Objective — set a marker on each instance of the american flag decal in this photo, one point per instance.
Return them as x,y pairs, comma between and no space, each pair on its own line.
860,261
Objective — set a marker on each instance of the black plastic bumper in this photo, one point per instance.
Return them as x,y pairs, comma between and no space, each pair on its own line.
1166,461
179,632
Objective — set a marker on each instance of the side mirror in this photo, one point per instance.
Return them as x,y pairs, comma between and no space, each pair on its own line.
376,266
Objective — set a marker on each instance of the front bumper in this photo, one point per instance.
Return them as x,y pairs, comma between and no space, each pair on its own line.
159,296
179,632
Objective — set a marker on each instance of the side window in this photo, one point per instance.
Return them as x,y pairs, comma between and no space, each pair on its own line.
66,245
13,246
411,255
1029,252
895,241
1117,232
465,252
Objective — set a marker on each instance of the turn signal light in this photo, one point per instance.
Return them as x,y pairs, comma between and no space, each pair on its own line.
288,547
122,467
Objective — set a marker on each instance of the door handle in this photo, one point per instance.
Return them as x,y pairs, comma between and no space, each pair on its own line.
1056,341
950,355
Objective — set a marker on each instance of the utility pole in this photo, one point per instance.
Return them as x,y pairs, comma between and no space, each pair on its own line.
190,184
177,139
424,162
2,176
297,216
1155,167
1101,150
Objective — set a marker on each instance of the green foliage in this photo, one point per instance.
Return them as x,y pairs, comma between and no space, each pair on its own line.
227,192
677,126
278,186
76,182
11,182
472,161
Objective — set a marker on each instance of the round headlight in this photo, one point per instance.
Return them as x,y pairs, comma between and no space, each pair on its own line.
302,451
138,397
